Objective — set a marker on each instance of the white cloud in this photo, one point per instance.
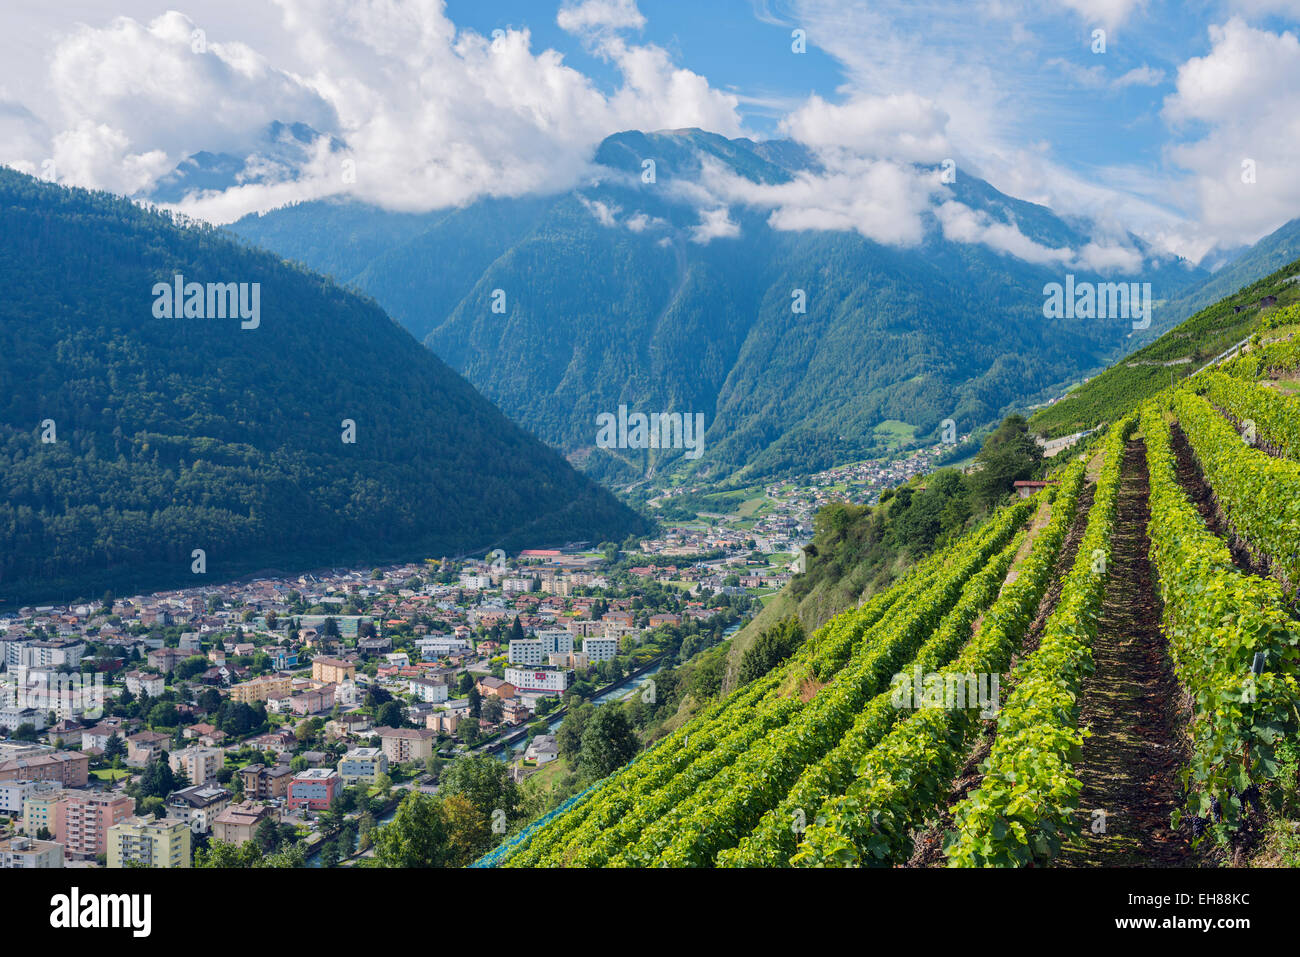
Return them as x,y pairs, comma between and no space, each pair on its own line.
604,213
904,126
592,15
430,115
962,224
1238,103
1107,13
714,224
880,199
1140,76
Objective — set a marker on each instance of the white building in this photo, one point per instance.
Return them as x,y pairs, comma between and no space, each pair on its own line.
436,646
152,685
527,651
429,690
543,749
555,641
540,680
11,719
600,649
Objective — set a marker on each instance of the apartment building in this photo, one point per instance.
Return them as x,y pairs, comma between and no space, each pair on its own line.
142,682
199,764
69,768
363,765
332,670
600,649
198,805
14,794
82,820
314,788
153,843
548,681
404,745
261,689
264,784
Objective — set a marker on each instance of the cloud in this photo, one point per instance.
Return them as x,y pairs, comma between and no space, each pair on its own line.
1095,77
962,224
1237,106
880,199
594,15
604,213
714,224
1140,76
904,127
1107,13
428,115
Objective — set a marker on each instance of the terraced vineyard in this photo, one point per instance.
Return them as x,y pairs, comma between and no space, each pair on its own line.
1122,645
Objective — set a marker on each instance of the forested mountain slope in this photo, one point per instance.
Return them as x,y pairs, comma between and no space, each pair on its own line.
129,440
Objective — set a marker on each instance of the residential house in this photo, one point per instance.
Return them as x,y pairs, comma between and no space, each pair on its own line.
145,746
238,823
543,749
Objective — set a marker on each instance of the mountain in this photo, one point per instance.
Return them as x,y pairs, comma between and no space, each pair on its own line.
228,434
1277,249
609,297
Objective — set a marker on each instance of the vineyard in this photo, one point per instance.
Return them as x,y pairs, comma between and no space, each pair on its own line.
1104,673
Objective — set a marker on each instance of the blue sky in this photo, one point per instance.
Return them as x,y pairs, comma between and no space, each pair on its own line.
1150,136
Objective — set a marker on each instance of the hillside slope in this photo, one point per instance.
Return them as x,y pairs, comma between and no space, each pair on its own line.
1177,354
171,435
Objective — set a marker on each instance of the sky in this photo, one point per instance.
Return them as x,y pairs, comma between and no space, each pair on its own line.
1175,122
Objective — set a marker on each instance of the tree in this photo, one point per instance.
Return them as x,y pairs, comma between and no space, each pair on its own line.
267,835
568,738
416,837
773,646
469,833
1008,455
516,630
157,779
468,730
492,710
608,742
475,702
329,854
390,715
114,747
484,781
